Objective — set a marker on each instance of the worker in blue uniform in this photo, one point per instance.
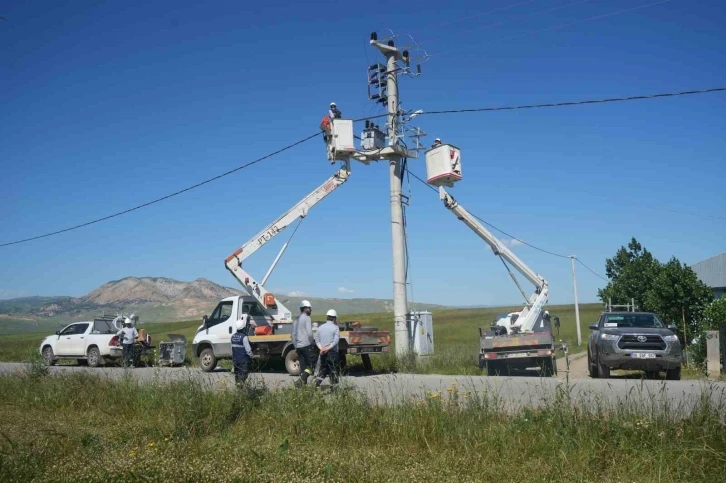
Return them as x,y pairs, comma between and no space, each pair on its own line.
241,351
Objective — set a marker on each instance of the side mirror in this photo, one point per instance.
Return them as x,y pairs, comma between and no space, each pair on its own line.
672,328
593,327
57,332
204,324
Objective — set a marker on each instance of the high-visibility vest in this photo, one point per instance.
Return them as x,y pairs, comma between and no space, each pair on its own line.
325,124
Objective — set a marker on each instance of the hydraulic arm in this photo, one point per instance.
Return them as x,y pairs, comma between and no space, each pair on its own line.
274,308
533,303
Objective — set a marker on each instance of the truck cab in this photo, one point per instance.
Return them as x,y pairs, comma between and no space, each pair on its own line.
216,330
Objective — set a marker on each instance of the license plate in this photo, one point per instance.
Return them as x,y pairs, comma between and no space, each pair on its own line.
642,355
518,354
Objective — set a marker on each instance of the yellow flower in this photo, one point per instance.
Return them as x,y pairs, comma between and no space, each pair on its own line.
150,444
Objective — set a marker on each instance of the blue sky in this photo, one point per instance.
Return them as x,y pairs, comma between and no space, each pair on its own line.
106,105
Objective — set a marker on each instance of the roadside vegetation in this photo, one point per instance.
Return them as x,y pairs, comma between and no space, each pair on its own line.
80,427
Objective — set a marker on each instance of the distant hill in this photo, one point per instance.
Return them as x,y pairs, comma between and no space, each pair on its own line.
156,299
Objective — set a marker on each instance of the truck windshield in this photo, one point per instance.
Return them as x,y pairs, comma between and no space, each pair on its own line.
103,326
643,321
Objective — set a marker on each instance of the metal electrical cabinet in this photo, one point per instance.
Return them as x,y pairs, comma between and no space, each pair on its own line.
172,353
422,328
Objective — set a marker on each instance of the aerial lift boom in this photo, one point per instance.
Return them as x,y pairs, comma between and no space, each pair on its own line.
269,303
534,303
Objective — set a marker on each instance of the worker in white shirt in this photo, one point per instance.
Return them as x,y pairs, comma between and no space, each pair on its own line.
128,335
333,112
327,339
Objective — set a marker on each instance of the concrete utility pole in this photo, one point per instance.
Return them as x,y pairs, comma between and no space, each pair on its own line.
400,303
577,307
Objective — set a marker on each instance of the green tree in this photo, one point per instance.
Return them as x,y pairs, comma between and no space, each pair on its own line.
631,272
675,289
665,289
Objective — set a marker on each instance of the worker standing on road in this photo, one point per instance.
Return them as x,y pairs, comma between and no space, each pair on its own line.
327,340
128,335
241,351
303,341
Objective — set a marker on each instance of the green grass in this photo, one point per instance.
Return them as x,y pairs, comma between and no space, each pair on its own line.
84,428
456,338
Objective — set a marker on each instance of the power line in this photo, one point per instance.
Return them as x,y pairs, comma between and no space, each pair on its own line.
567,24
591,270
171,195
482,14
580,103
561,104
408,171
596,17
520,17
494,227
452,111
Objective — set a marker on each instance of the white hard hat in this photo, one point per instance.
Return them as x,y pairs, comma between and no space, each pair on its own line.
305,303
547,312
127,320
437,140
333,104
332,313
241,323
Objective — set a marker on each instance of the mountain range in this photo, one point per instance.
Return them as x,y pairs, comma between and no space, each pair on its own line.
157,299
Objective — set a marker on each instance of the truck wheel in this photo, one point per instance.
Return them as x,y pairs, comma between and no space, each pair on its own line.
48,356
94,357
367,363
207,360
591,367
673,374
603,371
292,363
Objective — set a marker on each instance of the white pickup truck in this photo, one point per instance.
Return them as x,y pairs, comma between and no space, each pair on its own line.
90,343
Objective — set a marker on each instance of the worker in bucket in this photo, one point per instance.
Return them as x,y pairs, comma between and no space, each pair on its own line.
304,342
333,112
128,335
241,351
327,339
437,143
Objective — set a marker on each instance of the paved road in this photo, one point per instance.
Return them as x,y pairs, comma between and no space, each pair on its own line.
509,393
